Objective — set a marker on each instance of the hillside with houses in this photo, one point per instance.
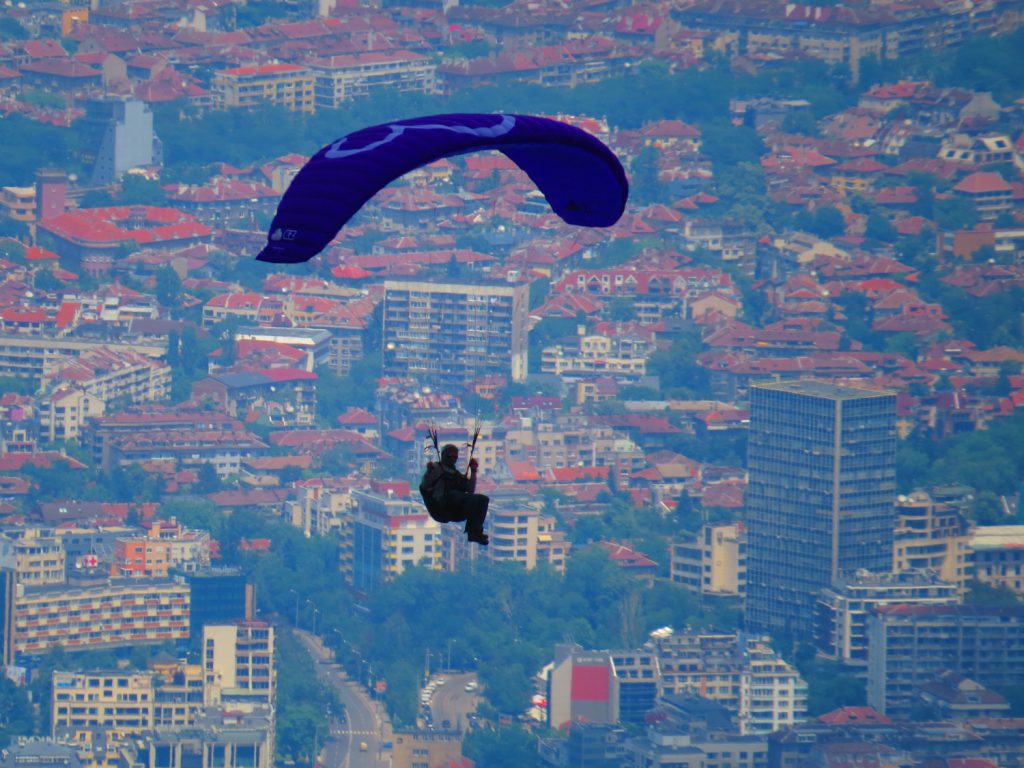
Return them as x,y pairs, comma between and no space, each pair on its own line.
823,192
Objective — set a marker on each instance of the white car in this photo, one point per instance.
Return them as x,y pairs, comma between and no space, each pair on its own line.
471,686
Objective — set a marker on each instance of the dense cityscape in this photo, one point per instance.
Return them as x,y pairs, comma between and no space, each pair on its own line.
754,453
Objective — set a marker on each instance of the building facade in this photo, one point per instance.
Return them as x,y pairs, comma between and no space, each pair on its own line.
712,563
997,552
840,629
932,536
105,614
285,85
822,464
238,662
338,79
390,532
740,672
455,333
911,645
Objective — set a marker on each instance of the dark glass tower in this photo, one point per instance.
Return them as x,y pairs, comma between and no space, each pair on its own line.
822,481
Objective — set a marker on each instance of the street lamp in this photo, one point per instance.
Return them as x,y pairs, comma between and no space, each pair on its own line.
315,612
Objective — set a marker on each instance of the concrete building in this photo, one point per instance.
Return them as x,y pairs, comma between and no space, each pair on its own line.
105,614
582,685
997,554
30,356
840,629
225,737
519,534
454,333
414,748
219,596
698,733
909,645
931,536
391,531
238,663
123,127
285,85
822,466
337,79
639,674
598,355
712,563
740,672
38,559
120,700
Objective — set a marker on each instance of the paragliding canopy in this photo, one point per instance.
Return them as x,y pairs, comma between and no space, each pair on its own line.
582,180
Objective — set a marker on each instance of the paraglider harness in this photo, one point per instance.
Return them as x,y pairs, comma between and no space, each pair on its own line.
435,484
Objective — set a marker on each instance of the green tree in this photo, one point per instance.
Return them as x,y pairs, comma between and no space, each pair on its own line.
11,29
953,213
509,747
168,287
830,686
879,228
17,717
980,593
678,371
138,190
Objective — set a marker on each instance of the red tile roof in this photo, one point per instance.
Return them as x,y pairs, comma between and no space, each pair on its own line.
983,182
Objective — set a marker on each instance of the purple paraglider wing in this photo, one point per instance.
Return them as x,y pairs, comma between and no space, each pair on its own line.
582,180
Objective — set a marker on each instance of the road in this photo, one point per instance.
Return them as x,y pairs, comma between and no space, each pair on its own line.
363,720
453,703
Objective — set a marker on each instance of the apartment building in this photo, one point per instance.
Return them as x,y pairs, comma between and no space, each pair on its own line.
910,645
33,355
114,613
822,464
997,553
224,449
519,534
167,695
453,333
840,629
391,531
177,693
286,85
140,557
932,536
38,559
714,562
238,662
598,355
739,671
119,700
337,79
